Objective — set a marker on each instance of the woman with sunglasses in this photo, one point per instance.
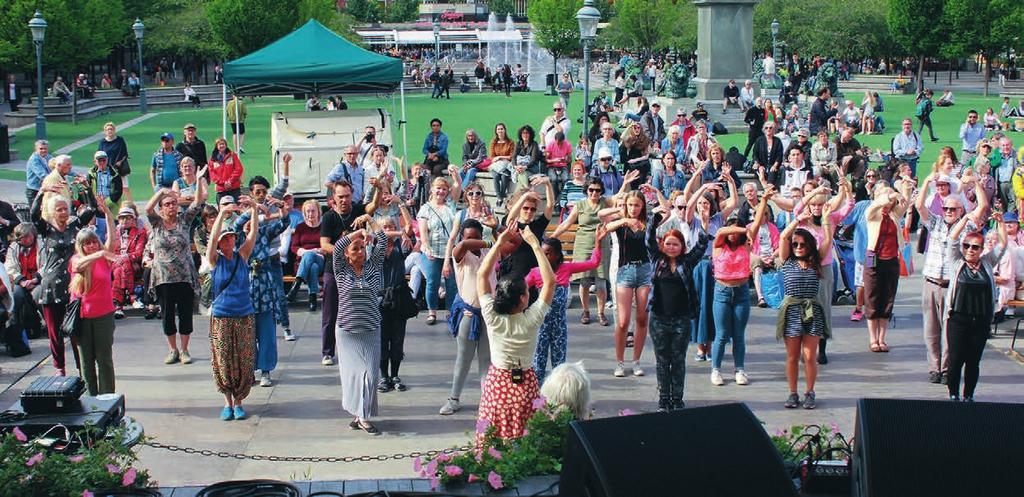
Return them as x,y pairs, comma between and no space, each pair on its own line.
801,320
882,262
970,304
585,214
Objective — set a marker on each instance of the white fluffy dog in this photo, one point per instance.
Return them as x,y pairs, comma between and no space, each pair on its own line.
568,385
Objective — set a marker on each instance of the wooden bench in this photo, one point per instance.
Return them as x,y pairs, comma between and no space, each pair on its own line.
1018,305
568,238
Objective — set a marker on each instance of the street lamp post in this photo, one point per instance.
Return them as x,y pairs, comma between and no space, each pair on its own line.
38,27
140,30
776,49
437,42
587,16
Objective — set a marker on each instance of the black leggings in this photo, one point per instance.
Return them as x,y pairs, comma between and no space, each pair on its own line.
966,337
176,298
392,345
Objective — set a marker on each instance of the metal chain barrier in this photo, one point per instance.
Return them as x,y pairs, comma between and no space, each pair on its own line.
307,459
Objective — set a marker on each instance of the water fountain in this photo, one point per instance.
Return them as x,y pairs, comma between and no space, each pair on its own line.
534,60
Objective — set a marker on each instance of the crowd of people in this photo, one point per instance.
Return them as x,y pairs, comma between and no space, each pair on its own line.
666,233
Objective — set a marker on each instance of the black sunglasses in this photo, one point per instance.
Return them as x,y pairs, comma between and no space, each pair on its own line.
971,246
797,245
595,190
950,209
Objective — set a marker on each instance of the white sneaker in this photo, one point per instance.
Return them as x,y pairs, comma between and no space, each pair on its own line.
637,370
716,378
265,379
609,305
741,378
137,304
288,335
451,406
620,371
327,361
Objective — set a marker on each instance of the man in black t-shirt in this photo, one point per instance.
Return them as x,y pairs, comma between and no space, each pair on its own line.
336,223
519,263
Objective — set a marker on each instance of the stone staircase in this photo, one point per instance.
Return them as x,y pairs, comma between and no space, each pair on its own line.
1013,89
881,83
107,101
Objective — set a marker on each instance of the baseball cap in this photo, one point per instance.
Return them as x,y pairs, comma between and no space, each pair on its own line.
227,200
655,103
125,211
99,155
189,126
943,179
167,136
1010,217
225,231
803,132
604,154
681,111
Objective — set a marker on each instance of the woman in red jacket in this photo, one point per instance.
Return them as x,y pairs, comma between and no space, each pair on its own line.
225,170
127,267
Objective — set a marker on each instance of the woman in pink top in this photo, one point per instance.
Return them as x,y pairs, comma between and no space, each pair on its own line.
91,281
553,335
730,257
839,206
558,154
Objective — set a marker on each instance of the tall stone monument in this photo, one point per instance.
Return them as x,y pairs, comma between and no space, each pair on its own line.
725,41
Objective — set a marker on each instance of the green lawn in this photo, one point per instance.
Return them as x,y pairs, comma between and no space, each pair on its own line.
472,110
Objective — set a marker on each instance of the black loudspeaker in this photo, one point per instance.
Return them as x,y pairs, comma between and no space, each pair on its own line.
937,448
714,451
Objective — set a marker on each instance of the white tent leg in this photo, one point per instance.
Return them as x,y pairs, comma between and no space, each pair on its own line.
224,110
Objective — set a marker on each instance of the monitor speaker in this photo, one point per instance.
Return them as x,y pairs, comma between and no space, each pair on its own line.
708,451
937,448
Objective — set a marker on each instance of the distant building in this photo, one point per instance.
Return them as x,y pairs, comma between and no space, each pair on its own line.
470,10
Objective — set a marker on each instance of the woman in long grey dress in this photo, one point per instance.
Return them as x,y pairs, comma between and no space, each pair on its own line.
358,331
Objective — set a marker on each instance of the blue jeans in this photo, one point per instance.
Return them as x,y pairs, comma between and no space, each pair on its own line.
469,177
731,309
278,272
432,270
266,341
311,266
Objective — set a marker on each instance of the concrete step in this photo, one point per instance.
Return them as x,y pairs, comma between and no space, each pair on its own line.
16,119
207,93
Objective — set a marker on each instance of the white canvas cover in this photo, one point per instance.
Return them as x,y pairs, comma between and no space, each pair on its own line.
317,140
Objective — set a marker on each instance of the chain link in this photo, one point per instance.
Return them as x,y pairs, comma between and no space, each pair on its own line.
306,459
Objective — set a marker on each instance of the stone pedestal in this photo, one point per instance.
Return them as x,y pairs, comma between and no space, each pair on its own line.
725,40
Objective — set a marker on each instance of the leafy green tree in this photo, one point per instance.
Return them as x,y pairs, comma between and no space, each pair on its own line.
326,12
915,27
401,10
648,24
555,27
811,27
78,32
501,6
985,27
364,10
182,29
245,26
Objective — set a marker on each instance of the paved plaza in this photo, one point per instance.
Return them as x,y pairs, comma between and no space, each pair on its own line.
301,414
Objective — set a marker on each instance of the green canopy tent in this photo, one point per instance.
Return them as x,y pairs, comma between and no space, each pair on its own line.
312,59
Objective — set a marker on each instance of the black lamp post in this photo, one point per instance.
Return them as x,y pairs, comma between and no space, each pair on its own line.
38,27
140,30
587,16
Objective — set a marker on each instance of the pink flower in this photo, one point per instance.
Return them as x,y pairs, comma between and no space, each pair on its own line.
35,459
112,469
525,432
20,435
86,493
479,456
539,402
77,458
495,453
626,412
472,478
129,478
494,479
432,467
434,482
482,425
453,470
417,465
443,458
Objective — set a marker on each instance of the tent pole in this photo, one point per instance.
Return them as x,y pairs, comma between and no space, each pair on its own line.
223,110
405,138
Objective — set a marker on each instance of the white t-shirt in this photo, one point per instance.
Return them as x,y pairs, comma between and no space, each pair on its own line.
465,277
548,128
793,178
513,338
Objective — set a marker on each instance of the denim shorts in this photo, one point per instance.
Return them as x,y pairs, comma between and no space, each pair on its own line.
634,275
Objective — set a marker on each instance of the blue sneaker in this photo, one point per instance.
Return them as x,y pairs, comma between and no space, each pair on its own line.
239,412
226,414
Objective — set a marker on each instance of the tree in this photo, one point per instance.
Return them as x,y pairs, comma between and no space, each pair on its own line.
401,10
182,29
245,26
831,21
78,32
649,24
985,27
363,10
555,27
914,27
501,6
327,14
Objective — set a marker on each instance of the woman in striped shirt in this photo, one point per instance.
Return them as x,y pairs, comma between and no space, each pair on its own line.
359,281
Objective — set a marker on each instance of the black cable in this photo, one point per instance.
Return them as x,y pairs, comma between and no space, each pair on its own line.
23,375
251,488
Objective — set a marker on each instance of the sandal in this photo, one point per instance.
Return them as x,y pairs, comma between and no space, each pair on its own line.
883,347
601,319
761,303
368,428
585,317
431,319
875,348
354,424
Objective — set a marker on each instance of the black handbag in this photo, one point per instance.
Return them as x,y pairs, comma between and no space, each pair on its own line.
72,324
398,301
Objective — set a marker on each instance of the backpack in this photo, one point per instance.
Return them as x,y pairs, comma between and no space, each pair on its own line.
719,129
